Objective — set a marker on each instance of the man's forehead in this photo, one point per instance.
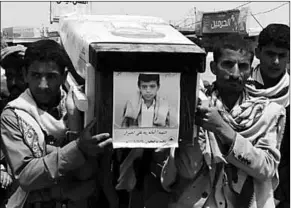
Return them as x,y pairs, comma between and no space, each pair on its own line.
276,49
229,54
44,67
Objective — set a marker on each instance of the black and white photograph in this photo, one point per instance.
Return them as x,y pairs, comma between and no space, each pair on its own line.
146,109
145,104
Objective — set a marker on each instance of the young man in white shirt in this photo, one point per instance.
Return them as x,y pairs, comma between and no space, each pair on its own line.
270,79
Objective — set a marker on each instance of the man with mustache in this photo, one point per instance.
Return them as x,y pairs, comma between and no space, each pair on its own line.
271,79
233,161
12,62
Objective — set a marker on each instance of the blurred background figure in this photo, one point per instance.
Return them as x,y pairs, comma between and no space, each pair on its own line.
3,90
12,85
12,63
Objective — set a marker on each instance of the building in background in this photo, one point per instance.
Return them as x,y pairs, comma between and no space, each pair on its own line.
26,35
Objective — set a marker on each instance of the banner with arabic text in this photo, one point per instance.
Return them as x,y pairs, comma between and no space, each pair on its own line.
221,22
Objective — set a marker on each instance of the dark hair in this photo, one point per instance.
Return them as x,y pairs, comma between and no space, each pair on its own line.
45,51
277,34
14,61
148,78
233,42
12,57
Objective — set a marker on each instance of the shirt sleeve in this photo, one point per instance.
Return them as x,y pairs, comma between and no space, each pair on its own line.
35,173
258,160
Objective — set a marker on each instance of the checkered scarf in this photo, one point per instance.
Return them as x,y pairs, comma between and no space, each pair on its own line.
278,93
244,115
250,117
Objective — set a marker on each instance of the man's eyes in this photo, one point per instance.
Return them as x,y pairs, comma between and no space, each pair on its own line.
283,55
35,75
272,54
227,64
243,66
52,76
48,76
231,64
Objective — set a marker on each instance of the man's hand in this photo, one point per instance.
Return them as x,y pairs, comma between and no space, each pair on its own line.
74,115
93,145
5,179
50,148
70,104
209,118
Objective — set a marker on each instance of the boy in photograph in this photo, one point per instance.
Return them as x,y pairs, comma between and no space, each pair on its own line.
140,168
147,108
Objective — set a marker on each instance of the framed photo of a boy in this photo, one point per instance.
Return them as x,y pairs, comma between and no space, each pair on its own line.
146,110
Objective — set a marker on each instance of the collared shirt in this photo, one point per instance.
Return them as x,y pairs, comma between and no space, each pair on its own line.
282,193
147,114
249,167
40,176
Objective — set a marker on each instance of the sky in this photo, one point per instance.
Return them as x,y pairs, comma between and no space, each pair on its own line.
36,14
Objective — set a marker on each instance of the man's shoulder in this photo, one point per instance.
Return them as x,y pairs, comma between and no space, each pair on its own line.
268,106
273,108
3,103
254,83
9,120
8,113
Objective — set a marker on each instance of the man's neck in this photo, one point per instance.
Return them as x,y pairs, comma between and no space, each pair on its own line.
229,98
55,102
10,98
270,82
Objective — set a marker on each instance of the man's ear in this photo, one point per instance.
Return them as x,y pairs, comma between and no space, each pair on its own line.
24,74
258,53
213,67
65,75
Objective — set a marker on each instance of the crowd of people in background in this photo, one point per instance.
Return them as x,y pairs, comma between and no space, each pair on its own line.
240,158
